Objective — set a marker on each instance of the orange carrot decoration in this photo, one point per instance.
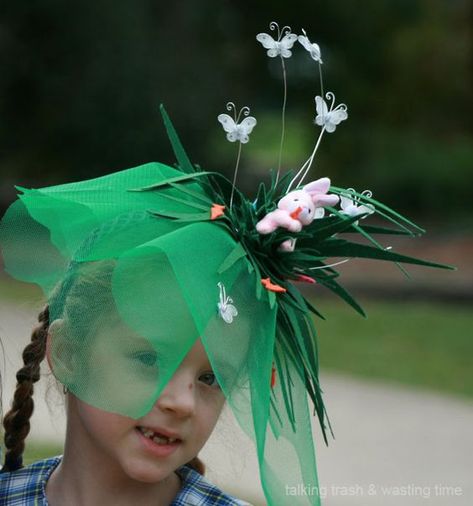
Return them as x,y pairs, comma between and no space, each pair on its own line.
273,376
266,282
295,214
216,211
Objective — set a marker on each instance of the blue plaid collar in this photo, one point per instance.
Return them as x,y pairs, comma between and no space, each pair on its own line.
27,487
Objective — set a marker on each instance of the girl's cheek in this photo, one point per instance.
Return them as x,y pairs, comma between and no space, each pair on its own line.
124,378
213,399
211,392
100,423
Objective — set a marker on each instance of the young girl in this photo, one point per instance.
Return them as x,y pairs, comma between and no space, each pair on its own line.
110,458
169,293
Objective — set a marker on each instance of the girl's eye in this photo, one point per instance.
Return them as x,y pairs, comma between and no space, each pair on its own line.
147,358
209,379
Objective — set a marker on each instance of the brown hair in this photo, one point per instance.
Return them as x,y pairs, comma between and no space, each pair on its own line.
17,420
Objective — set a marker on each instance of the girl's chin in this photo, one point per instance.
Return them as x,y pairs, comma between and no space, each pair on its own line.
148,472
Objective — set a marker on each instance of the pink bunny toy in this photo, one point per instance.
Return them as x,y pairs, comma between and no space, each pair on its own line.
297,209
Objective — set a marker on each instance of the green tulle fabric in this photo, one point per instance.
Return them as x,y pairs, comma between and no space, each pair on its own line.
133,263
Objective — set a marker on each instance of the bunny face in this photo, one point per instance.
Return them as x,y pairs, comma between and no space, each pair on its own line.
299,205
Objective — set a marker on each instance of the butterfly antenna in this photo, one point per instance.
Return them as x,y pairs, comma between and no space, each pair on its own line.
283,118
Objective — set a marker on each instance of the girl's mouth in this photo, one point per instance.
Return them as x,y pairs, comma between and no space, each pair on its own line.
156,437
159,445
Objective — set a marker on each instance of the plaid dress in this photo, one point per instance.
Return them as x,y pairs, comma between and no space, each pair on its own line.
27,487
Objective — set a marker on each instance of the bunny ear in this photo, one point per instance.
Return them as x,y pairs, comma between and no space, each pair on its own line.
325,200
320,186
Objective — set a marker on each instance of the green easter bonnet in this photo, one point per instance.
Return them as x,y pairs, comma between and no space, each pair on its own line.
141,263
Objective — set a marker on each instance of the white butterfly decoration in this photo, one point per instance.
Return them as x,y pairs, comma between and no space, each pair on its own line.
281,46
311,47
351,205
329,118
237,131
225,307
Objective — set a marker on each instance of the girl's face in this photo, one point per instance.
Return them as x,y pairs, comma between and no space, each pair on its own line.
171,434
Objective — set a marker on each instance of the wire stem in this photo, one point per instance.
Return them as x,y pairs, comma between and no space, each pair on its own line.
235,174
311,159
306,166
283,118
321,81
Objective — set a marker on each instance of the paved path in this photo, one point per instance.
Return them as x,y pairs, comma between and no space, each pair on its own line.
394,446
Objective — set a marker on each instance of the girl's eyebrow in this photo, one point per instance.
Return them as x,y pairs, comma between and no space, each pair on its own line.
225,368
130,342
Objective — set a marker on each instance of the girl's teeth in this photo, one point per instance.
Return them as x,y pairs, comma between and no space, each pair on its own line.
161,440
156,438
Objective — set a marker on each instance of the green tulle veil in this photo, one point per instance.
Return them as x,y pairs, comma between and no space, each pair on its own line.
134,262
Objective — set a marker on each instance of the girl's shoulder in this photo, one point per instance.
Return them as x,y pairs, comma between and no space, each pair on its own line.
197,490
27,485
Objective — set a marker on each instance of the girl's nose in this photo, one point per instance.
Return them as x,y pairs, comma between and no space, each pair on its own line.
178,396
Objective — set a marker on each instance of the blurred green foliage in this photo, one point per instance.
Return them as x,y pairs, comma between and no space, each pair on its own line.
430,346
37,451
81,82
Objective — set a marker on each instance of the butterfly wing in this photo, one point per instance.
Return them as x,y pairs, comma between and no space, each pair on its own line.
288,40
315,52
229,313
233,136
321,108
305,43
229,126
266,40
345,202
226,316
311,47
248,124
232,310
286,44
227,122
244,129
337,116
366,209
334,118
352,210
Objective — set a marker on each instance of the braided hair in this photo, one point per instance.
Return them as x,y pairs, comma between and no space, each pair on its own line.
17,421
